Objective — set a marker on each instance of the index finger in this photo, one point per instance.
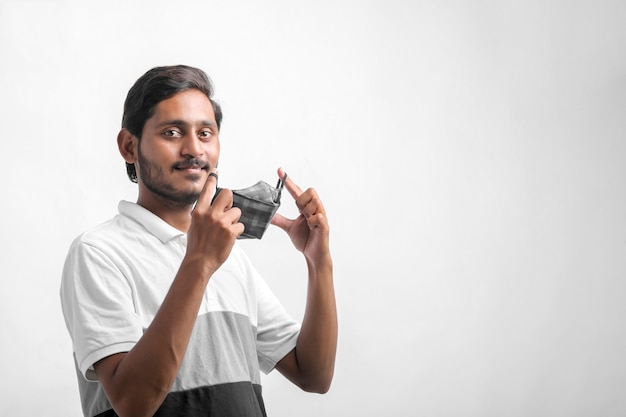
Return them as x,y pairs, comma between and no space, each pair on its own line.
209,189
291,186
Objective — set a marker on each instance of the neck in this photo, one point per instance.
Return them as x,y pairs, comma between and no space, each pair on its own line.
177,215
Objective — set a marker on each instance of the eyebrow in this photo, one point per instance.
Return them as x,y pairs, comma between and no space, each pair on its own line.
180,122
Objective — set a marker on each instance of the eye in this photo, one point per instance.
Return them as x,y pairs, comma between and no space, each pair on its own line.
172,133
205,134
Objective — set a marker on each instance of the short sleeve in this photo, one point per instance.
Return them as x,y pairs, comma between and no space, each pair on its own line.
97,302
277,332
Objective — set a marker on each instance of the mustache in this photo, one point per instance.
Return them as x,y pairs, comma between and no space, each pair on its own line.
191,163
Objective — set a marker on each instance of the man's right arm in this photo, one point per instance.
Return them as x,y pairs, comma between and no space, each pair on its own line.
137,382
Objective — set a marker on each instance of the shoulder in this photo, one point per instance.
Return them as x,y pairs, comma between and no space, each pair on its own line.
111,236
101,250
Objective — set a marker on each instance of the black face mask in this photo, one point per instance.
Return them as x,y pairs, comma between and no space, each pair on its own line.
258,204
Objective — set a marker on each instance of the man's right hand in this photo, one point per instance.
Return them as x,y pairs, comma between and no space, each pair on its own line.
214,226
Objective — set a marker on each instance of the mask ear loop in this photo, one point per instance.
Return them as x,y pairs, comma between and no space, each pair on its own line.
279,187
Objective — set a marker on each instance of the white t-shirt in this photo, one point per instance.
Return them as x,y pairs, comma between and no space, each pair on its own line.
114,280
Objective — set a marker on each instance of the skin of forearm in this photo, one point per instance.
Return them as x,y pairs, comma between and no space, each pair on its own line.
137,374
317,342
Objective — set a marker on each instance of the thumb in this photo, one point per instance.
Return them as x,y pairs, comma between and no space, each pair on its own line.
281,221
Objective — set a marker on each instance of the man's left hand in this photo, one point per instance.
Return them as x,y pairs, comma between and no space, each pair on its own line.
309,231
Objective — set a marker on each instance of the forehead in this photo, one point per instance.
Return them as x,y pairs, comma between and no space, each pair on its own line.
189,105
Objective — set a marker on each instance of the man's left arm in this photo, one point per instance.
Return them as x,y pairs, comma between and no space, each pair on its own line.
311,364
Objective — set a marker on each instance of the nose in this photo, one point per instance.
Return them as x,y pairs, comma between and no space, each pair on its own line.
191,146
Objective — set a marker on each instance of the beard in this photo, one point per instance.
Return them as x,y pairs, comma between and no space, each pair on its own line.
153,178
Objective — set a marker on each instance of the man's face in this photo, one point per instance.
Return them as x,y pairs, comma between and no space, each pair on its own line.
178,148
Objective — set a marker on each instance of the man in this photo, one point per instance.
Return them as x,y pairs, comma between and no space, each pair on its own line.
166,314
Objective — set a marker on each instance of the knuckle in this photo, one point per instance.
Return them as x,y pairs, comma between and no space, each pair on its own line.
227,192
311,193
226,196
236,212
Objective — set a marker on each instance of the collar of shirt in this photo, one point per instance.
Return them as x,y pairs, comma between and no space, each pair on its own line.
153,223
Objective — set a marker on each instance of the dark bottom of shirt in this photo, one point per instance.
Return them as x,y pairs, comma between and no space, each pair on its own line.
238,399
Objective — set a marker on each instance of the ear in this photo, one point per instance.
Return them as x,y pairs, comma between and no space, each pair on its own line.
127,143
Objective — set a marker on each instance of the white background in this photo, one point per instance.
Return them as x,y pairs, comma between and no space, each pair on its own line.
470,155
